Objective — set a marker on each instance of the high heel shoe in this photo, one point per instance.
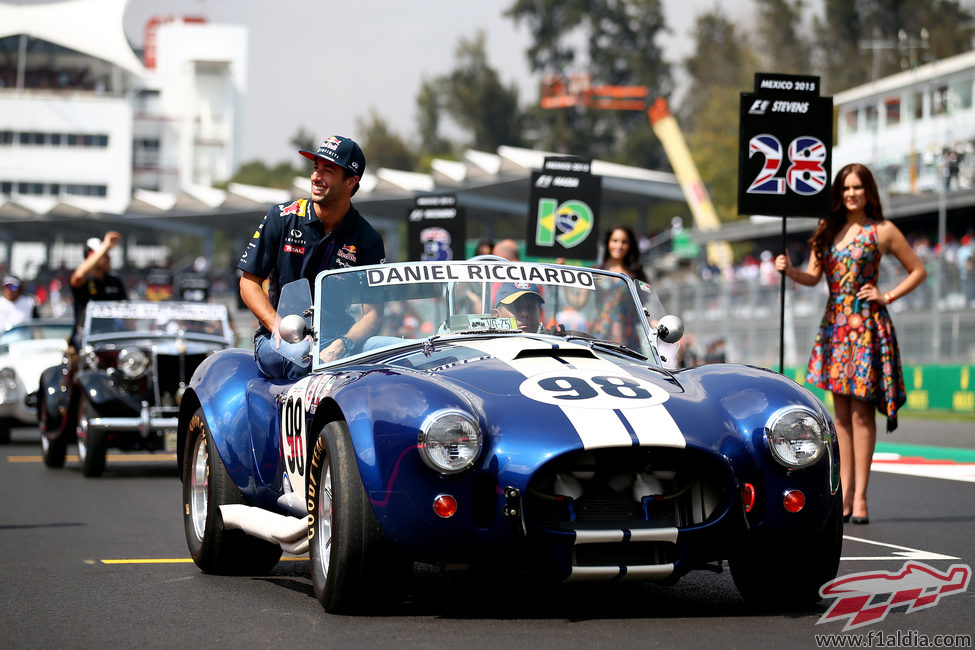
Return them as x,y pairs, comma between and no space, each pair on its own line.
846,518
860,520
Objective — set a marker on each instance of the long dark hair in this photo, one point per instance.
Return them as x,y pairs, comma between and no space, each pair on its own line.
631,261
822,239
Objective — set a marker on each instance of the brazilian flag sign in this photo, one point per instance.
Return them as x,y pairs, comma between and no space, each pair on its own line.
563,210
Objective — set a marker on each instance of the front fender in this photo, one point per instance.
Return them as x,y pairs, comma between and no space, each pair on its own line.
221,387
743,398
105,396
384,411
56,396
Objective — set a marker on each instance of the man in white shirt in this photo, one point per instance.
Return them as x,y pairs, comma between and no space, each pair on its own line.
15,307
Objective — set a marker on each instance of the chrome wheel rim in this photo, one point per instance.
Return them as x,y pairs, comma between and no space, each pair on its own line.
323,517
199,481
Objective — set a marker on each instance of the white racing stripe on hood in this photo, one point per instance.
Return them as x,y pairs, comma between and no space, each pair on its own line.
600,421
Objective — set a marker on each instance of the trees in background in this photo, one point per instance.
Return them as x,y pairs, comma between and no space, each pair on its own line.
615,42
845,42
719,68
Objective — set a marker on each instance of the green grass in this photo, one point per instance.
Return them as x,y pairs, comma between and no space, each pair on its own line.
937,415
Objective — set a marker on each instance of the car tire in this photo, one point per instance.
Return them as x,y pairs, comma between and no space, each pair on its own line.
207,486
4,431
353,563
53,450
765,583
92,445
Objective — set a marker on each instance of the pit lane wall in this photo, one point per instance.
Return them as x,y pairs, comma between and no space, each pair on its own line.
929,388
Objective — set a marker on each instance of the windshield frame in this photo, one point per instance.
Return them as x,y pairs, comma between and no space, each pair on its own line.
448,275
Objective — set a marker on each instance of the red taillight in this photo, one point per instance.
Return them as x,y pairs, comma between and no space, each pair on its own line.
445,506
794,500
748,496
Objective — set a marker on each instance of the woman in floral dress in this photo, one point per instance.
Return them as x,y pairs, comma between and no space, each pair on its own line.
855,354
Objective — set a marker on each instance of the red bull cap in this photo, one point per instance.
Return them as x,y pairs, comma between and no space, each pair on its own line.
342,151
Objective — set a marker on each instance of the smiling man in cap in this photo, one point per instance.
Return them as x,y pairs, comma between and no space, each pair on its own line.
300,238
522,301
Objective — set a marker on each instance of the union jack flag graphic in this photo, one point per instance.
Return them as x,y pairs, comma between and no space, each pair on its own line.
770,148
807,175
866,598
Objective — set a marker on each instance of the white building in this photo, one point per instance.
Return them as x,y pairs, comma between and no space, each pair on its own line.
84,123
904,126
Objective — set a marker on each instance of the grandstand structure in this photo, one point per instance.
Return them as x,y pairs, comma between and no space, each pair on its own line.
93,136
915,128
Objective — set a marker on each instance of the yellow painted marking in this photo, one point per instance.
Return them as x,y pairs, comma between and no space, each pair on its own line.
180,560
184,560
115,458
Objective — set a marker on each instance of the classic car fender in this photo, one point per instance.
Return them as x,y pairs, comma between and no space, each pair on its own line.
56,396
105,396
749,398
233,395
384,411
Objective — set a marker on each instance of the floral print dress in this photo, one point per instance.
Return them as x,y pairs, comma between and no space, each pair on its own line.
855,352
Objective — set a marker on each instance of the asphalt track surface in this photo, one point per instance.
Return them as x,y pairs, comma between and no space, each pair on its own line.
103,563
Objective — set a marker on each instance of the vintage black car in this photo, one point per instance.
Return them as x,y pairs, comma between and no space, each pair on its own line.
122,388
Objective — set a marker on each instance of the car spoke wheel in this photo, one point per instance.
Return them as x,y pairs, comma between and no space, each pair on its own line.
92,444
765,583
207,486
54,447
353,563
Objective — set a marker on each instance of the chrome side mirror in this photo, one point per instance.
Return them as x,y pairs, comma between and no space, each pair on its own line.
670,329
292,328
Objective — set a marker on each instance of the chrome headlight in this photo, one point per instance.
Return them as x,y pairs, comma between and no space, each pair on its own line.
8,381
797,436
449,441
132,362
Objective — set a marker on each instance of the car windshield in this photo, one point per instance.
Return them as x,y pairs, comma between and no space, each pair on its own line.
188,319
35,331
387,305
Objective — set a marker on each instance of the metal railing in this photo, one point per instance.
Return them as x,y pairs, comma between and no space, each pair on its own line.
935,324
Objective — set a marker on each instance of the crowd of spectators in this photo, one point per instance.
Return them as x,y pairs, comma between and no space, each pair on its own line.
756,269
753,275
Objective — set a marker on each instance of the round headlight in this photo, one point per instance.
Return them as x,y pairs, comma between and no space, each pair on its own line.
796,436
132,362
8,380
449,441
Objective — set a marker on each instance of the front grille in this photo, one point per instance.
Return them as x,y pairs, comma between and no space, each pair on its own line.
172,373
627,487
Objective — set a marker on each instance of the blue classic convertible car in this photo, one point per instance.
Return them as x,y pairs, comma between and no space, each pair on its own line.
517,416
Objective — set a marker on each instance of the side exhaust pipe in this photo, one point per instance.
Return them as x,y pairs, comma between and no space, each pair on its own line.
291,533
